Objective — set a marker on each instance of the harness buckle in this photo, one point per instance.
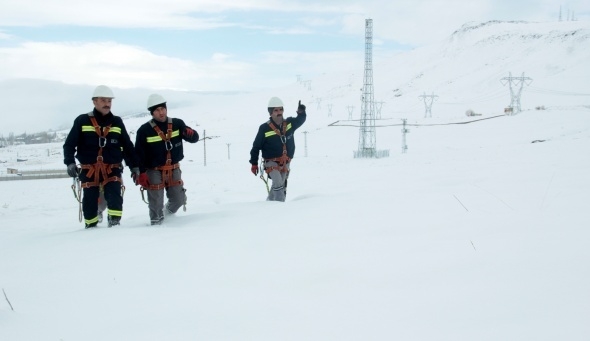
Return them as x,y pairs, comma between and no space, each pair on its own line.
102,141
99,158
168,145
283,138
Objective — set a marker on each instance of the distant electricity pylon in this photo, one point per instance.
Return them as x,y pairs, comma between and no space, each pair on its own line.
378,106
428,100
367,147
319,102
329,109
350,109
515,92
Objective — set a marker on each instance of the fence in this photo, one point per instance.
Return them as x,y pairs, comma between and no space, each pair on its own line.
36,175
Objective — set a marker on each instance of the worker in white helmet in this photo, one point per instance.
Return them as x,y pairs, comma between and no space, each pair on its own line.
159,148
275,139
100,142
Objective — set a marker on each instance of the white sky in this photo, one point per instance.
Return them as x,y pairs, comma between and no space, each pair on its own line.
228,45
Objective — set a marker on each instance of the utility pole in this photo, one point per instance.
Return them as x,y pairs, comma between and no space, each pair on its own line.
404,132
305,139
516,91
428,100
330,110
204,148
228,144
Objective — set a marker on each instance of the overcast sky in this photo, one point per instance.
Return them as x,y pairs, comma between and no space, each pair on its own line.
230,45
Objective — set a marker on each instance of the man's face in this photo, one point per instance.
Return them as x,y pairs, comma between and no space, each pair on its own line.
102,104
277,114
160,114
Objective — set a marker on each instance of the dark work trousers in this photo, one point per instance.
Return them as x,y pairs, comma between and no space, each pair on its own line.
278,190
175,194
112,195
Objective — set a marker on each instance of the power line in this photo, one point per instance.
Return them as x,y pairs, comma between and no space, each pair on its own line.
555,92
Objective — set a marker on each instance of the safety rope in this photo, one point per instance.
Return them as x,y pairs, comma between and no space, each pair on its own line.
77,189
260,169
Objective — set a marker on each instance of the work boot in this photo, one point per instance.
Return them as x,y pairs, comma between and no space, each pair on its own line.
167,210
100,217
158,221
87,226
114,221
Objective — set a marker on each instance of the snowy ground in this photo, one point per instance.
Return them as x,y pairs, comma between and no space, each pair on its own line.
475,234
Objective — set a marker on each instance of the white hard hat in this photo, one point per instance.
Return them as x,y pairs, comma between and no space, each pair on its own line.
103,91
154,100
275,102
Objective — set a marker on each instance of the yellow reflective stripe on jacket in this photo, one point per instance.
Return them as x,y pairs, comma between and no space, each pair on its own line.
116,130
272,132
157,138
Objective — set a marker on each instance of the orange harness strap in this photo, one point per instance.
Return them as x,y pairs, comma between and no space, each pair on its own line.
100,168
283,159
168,168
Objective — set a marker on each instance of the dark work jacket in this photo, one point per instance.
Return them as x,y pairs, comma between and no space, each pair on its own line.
151,149
82,142
270,143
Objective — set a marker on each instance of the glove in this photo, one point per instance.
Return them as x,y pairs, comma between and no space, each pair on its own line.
300,108
73,170
188,132
143,180
134,174
254,169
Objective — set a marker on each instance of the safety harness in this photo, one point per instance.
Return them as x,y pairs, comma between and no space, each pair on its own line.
283,159
100,168
168,168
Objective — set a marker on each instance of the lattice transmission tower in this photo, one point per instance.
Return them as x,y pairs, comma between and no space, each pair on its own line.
428,100
367,137
516,84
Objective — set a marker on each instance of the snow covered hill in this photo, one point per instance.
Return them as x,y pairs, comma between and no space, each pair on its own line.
465,71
